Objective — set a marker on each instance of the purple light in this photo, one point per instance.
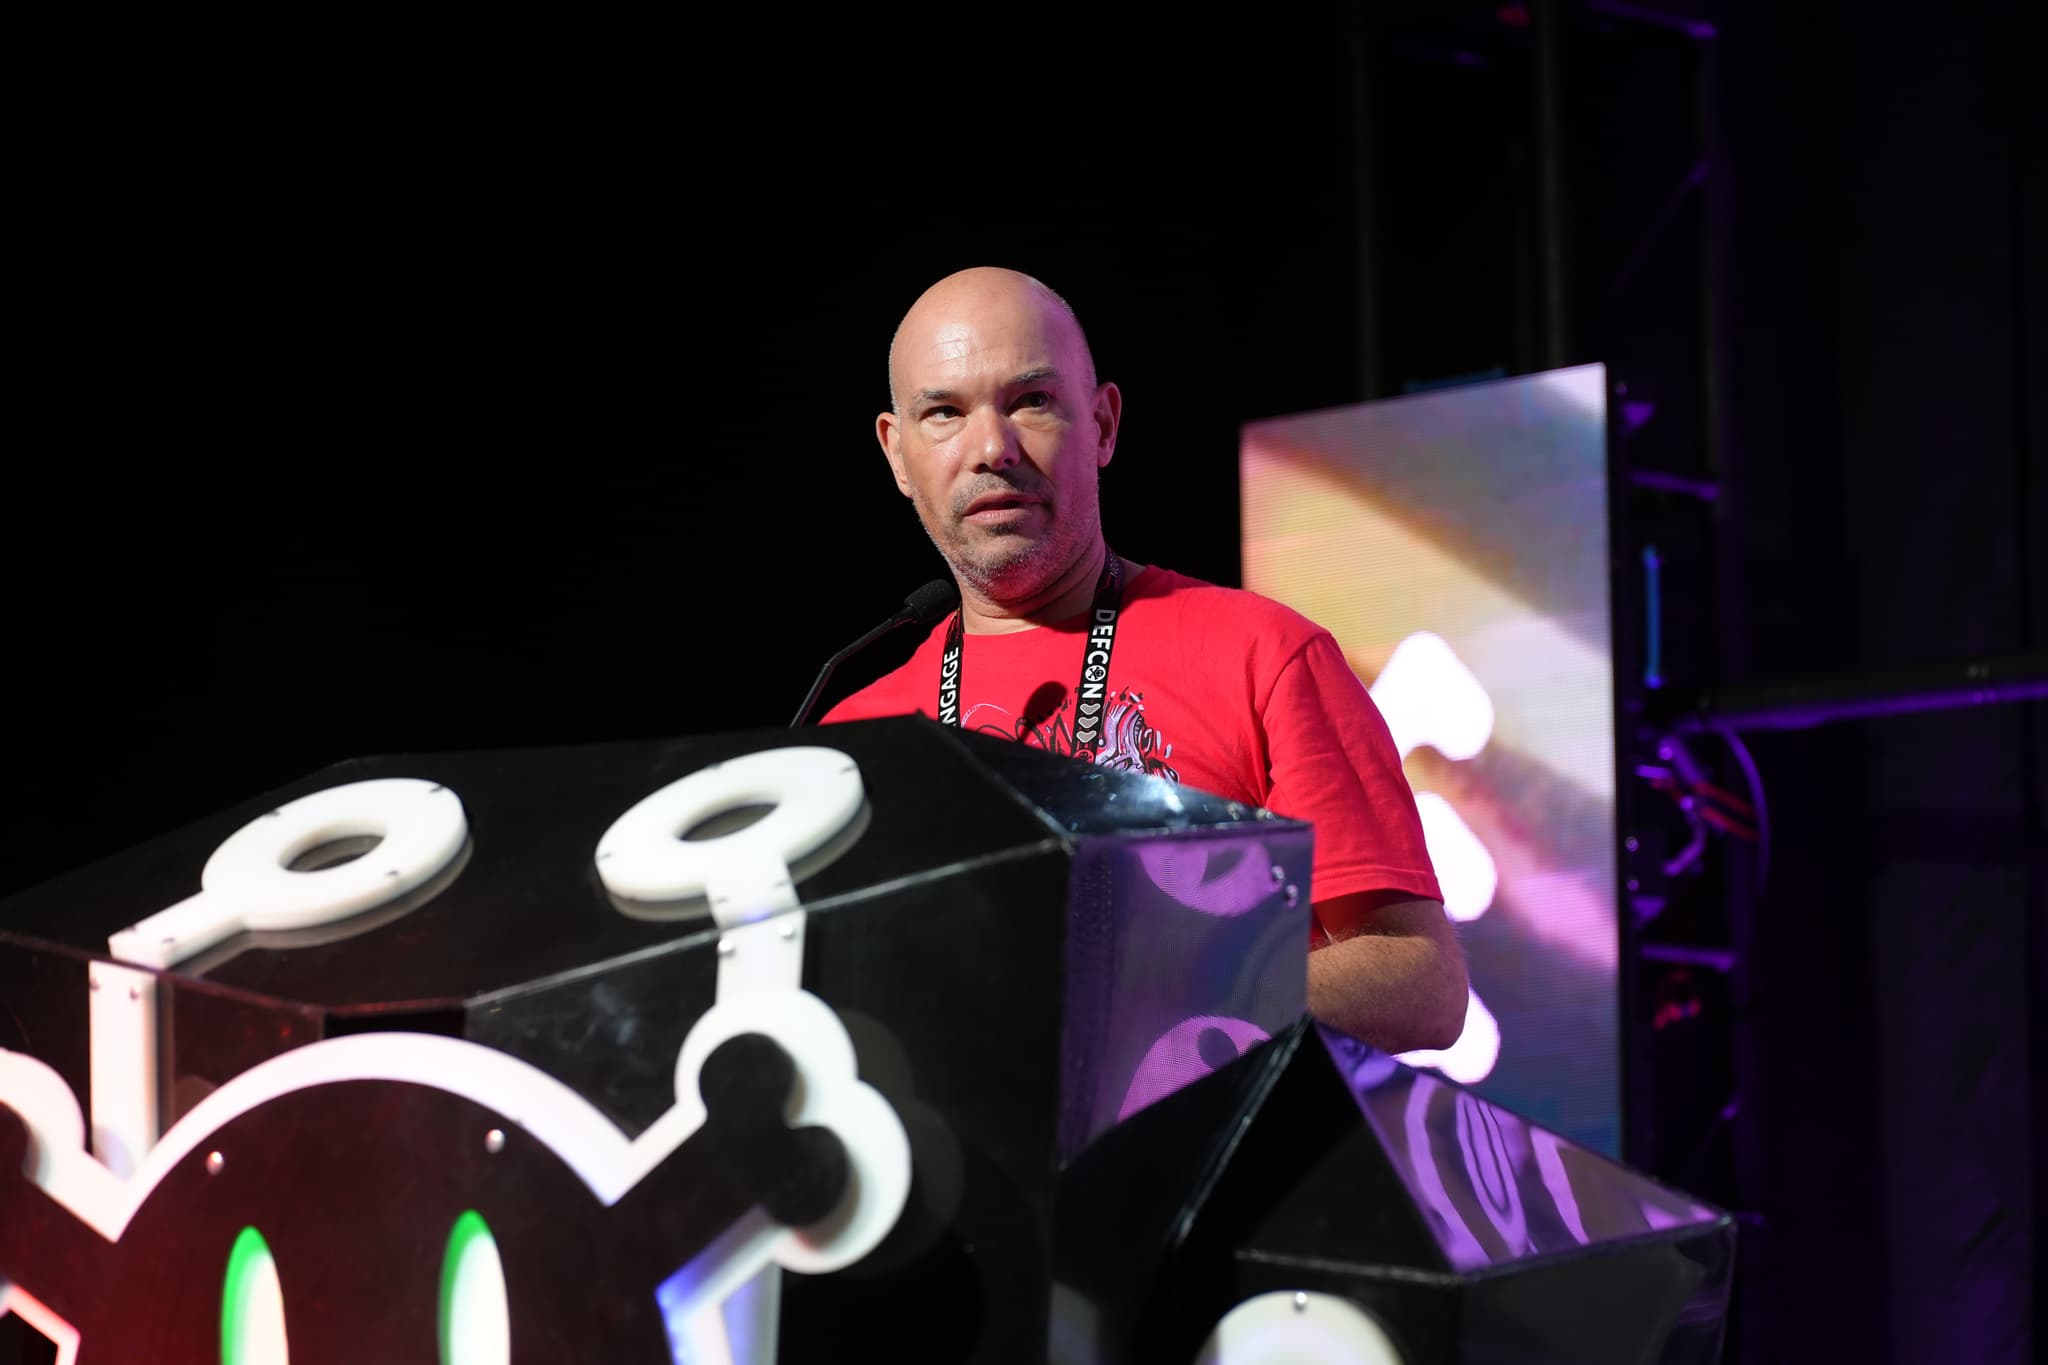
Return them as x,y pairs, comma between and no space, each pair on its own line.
1798,715
1550,1167
1697,29
1490,1167
1186,872
1706,490
1179,1057
678,1297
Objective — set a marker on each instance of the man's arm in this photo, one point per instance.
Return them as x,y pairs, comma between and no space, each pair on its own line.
1394,974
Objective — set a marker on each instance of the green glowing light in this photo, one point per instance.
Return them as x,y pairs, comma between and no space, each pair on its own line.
473,1318
251,1305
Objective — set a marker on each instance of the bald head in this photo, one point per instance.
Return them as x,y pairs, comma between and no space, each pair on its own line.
956,303
997,432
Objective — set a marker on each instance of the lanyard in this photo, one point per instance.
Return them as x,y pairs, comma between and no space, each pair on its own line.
1090,693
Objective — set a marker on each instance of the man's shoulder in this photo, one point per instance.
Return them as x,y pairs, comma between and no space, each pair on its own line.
1219,605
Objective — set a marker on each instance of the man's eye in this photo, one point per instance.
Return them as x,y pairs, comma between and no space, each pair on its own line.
1037,398
932,413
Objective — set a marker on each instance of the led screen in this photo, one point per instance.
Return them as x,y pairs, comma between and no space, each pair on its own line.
1456,544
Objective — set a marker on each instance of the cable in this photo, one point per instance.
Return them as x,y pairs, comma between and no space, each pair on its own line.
1687,782
1726,798
1756,798
1653,668
1722,822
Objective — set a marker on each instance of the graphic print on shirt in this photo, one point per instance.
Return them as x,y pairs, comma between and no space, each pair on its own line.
1129,743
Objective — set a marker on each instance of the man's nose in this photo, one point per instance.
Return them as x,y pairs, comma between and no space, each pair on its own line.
992,440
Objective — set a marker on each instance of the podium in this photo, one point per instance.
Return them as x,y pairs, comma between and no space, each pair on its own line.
881,1039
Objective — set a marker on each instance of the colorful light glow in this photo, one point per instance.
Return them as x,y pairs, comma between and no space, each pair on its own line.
1455,542
475,1323
252,1330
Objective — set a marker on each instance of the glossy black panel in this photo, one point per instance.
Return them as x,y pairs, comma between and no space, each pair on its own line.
1124,1206
612,1033
43,1008
1662,1299
1495,1187
1467,1232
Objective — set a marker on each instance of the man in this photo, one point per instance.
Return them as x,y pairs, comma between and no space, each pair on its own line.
997,433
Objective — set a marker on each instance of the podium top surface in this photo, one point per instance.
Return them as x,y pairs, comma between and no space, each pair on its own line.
524,900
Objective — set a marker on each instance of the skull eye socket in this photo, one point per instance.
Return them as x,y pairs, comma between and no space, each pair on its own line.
252,1305
475,1324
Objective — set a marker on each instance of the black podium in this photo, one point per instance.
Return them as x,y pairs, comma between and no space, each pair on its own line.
880,1040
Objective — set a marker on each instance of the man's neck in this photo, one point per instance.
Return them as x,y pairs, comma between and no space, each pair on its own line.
1066,596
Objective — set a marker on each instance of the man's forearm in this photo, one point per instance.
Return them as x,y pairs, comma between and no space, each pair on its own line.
1398,984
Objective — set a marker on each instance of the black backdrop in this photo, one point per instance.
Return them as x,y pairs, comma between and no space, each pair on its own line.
493,405
386,390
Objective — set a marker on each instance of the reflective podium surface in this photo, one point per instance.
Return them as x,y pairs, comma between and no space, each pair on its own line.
1002,1057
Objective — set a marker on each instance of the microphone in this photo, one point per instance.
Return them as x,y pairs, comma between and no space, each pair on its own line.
922,608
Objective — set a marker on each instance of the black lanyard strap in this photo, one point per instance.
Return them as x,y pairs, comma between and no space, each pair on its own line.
1091,694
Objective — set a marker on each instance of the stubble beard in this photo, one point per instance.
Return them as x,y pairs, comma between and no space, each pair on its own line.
1001,567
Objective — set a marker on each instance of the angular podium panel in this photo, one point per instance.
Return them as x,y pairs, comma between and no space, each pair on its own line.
577,1050
1372,1211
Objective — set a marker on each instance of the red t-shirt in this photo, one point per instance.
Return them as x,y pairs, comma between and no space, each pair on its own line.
1215,688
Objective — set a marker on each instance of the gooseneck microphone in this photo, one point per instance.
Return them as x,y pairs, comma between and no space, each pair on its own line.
924,608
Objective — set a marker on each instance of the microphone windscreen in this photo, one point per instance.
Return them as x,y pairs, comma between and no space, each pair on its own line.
932,601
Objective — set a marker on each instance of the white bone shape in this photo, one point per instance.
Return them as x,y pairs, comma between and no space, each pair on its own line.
827,1093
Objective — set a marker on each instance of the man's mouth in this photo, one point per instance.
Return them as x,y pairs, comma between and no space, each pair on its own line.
999,507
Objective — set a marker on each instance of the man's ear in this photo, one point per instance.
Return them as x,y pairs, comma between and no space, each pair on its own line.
890,435
1109,411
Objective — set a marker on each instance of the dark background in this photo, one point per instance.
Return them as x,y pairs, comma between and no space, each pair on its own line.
384,390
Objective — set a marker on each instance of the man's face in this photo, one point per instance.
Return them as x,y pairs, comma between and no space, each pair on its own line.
999,434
